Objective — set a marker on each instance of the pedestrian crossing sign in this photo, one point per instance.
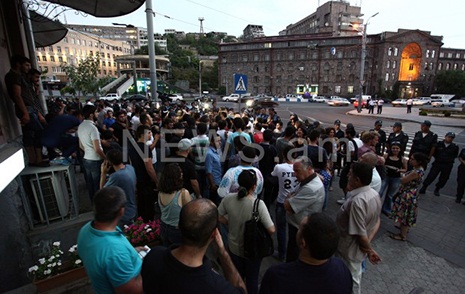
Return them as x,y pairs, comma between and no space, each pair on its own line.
240,83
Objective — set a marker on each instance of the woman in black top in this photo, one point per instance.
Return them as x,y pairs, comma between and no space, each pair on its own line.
395,164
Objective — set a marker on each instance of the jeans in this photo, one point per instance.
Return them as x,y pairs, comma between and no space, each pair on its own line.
249,269
281,225
92,175
169,234
389,188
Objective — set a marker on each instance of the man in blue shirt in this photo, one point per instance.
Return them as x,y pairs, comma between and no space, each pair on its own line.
123,177
111,262
213,167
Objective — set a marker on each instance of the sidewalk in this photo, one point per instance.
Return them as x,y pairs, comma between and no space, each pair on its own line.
400,114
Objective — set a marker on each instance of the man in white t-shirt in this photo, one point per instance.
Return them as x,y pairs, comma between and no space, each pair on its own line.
287,185
89,141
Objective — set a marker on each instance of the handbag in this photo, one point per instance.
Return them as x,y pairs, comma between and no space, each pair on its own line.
257,242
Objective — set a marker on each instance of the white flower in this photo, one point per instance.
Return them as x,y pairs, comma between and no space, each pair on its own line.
54,264
59,263
148,230
146,226
47,272
73,248
57,244
33,268
49,265
51,258
78,261
57,256
42,260
61,252
126,226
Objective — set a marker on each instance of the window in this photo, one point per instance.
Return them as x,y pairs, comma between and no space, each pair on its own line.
387,77
65,40
78,41
291,56
50,48
447,66
256,79
431,67
427,53
38,58
59,49
102,54
338,78
108,55
449,55
457,55
89,43
337,89
66,50
394,64
278,56
426,66
440,66
433,53
350,89
410,67
104,63
267,57
73,41
52,58
114,64
396,51
104,71
441,55
340,54
60,59
223,60
44,58
302,55
463,67
389,52
393,76
255,57
455,66
388,64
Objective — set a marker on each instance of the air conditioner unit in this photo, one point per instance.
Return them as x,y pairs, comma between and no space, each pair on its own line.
55,196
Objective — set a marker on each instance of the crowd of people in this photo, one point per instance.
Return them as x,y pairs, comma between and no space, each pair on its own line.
200,169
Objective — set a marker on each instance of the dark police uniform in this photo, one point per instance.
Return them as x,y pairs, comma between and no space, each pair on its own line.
423,144
401,137
444,157
381,142
461,177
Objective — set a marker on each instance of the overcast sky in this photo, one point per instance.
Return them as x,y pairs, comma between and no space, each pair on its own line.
443,18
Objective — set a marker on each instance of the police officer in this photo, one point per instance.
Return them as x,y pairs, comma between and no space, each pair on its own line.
380,146
461,177
444,156
397,135
337,126
424,141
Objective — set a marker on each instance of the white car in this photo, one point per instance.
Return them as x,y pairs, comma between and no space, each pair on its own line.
232,97
441,103
175,97
418,102
399,102
338,101
320,99
110,97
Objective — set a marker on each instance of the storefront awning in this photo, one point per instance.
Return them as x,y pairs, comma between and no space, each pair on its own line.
46,31
102,8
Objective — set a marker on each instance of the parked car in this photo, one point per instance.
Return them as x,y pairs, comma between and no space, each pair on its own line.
232,97
175,97
399,102
418,102
320,99
442,103
110,97
338,102
135,97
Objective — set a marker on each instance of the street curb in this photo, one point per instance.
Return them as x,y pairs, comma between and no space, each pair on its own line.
403,119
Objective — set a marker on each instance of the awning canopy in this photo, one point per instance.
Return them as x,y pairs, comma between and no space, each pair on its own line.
102,8
46,31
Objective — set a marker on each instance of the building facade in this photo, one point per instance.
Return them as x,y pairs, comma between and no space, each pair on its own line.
75,47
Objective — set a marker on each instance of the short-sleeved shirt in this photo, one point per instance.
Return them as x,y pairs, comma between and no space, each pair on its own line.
239,211
286,180
299,277
229,182
230,140
125,178
308,199
87,133
357,217
213,165
188,171
110,260
162,273
137,161
199,150
267,163
423,142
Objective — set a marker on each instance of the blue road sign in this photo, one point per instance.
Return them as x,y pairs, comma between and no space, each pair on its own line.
240,83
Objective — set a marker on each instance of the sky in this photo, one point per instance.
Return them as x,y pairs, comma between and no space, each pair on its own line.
439,17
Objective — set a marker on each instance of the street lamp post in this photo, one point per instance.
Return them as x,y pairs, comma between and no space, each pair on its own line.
362,62
200,78
151,44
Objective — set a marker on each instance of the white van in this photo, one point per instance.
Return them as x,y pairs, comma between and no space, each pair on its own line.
441,100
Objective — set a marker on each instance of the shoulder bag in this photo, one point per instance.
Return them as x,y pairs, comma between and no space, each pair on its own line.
257,241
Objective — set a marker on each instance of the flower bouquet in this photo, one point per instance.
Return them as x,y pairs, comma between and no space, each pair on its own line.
140,233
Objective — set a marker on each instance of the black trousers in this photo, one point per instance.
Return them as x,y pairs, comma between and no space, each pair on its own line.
146,199
460,181
441,169
292,248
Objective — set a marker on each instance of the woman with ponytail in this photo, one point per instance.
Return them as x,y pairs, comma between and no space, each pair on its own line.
238,209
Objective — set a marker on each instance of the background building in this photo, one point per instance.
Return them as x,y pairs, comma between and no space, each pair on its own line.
321,54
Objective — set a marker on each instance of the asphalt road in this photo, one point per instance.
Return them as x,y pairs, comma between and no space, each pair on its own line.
326,115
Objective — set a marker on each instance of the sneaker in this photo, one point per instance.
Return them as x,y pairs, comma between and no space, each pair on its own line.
341,201
436,192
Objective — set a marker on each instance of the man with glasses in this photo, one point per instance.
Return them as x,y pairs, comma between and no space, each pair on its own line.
444,156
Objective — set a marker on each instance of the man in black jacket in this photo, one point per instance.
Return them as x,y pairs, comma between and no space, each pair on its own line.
444,156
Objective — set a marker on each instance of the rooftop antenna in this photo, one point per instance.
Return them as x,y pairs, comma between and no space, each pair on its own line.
201,19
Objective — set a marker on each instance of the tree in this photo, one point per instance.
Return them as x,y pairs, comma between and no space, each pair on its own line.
450,82
83,77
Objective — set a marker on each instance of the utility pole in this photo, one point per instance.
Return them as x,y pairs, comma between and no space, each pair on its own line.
151,44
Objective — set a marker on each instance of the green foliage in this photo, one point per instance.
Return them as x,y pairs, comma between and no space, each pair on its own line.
450,81
446,113
423,113
83,77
